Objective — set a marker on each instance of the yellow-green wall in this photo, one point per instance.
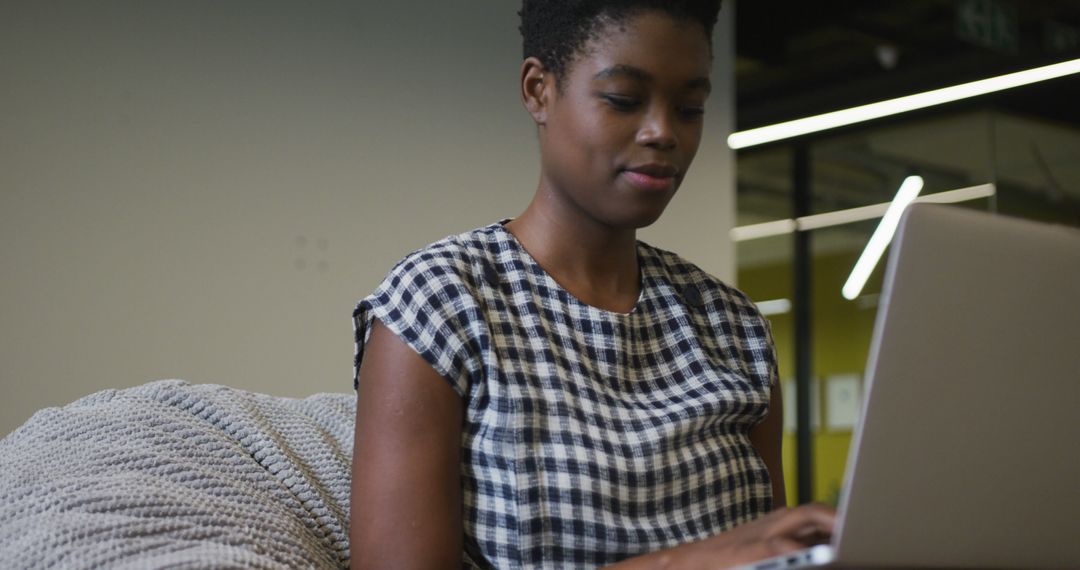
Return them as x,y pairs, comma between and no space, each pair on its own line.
841,339
842,329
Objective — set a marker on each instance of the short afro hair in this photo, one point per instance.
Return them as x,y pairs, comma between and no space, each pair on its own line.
555,31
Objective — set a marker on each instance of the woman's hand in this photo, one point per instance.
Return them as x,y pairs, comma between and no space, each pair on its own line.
779,532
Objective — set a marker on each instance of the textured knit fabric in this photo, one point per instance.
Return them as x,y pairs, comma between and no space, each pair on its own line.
172,475
589,435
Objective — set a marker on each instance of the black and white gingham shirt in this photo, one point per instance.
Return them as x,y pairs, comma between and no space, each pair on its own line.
590,436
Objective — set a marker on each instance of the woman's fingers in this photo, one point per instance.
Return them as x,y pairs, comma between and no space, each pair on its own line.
807,525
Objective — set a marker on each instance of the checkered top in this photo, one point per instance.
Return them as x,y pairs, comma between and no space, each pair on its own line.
590,436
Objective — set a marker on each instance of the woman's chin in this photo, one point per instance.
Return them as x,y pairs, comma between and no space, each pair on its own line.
636,218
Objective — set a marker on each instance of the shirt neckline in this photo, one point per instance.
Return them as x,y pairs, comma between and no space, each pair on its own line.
553,284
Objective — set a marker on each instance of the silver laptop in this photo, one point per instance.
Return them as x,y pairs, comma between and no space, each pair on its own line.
968,451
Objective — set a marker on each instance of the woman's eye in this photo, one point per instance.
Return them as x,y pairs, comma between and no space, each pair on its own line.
692,112
621,103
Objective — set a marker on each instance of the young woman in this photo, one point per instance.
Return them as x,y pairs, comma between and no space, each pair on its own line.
549,391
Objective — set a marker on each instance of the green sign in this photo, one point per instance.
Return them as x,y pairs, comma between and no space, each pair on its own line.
992,24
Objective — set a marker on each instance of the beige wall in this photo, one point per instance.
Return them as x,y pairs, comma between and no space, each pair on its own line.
203,189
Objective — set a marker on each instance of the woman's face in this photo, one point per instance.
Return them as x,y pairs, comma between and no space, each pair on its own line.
620,134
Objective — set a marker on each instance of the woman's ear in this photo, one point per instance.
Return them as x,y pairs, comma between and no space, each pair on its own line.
536,85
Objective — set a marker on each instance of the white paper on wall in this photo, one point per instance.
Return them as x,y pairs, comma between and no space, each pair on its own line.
843,401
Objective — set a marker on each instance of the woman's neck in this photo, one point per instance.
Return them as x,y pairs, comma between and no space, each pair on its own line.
596,263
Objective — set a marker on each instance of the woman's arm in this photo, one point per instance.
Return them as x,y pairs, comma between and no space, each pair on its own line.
406,490
767,438
779,532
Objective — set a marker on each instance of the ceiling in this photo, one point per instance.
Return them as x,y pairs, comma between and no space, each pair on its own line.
800,58
815,57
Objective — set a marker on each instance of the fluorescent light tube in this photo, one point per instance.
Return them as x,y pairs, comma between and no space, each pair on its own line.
798,127
851,215
907,193
774,307
756,231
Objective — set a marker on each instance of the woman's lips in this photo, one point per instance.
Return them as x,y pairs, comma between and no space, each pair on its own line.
648,181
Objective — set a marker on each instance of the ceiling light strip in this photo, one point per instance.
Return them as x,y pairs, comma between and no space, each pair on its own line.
881,238
841,217
767,229
817,123
774,307
961,195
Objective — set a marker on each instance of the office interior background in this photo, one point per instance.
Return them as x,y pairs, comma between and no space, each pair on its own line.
815,57
202,190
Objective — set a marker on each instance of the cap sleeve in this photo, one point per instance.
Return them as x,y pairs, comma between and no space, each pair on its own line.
427,301
755,340
770,352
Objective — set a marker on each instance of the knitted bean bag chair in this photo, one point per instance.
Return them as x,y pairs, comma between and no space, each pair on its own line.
175,475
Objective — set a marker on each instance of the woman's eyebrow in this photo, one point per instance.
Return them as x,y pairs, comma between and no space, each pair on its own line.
638,74
622,70
701,83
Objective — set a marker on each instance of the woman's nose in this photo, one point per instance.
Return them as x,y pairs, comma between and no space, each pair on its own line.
658,130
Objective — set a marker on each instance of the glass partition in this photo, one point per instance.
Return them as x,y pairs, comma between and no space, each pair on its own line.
1034,164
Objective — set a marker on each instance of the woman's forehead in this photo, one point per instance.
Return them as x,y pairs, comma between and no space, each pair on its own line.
645,47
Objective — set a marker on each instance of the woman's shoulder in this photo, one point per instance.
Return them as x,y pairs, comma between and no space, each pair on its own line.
689,278
453,259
